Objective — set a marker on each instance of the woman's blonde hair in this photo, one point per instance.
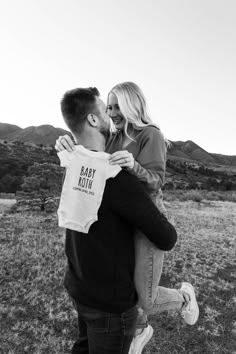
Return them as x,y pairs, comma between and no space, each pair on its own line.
132,104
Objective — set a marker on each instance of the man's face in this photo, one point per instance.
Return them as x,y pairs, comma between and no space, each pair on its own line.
103,117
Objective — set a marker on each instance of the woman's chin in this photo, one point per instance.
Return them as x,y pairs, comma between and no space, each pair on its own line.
119,126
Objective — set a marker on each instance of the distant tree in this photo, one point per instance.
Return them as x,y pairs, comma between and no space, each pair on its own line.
53,152
193,185
211,183
226,184
169,185
43,180
9,183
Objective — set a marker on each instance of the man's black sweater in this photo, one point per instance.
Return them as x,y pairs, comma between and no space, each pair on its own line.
100,271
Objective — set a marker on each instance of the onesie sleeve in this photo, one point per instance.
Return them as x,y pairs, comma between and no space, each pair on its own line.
65,158
113,170
149,166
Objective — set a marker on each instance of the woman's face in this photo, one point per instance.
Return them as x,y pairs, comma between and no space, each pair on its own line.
113,110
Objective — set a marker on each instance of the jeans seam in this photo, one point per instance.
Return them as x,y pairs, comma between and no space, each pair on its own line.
108,323
150,280
167,302
123,334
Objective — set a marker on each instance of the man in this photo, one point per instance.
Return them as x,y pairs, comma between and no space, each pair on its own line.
100,272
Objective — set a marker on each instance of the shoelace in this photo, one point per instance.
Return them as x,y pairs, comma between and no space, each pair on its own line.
186,309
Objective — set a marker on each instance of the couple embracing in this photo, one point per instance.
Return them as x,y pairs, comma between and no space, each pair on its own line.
117,230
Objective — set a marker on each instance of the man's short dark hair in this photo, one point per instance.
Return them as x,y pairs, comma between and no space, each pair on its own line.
77,104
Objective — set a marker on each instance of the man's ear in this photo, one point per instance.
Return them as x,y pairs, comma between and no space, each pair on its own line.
92,119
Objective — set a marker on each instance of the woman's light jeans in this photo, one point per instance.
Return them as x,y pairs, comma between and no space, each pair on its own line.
148,268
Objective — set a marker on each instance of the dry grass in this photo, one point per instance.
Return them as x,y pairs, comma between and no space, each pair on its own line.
204,256
199,195
6,204
38,317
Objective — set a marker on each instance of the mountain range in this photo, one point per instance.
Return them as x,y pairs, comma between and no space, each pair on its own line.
179,150
188,166
43,134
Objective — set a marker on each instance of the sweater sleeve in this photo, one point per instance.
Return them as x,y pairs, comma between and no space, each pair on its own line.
149,165
130,201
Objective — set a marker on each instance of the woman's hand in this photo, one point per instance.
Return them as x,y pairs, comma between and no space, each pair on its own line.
122,158
65,142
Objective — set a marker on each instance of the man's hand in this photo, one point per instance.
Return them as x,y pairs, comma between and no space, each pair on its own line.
122,158
65,142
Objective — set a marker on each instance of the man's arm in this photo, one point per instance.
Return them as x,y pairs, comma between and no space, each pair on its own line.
130,200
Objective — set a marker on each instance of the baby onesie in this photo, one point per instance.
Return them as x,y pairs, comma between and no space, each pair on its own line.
82,191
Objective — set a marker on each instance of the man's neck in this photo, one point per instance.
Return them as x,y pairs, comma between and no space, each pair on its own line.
91,143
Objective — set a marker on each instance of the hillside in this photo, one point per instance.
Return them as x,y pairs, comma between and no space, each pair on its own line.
16,157
190,166
43,134
7,131
188,150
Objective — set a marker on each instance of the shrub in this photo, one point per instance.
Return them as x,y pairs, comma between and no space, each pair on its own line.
232,197
194,195
212,195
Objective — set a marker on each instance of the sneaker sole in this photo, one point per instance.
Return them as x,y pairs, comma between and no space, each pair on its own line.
188,285
147,339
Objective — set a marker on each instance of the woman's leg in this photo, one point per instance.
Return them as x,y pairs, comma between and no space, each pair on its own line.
148,269
152,297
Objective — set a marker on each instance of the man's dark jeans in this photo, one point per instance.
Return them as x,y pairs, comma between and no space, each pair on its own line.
104,333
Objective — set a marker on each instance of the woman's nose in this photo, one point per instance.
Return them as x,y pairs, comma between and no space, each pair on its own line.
113,113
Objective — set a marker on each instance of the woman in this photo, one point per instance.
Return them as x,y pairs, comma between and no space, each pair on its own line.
139,146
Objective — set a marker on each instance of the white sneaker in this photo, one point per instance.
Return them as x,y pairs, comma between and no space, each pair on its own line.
190,311
141,340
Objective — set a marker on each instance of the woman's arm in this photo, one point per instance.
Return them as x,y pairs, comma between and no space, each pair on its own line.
154,180
150,160
150,163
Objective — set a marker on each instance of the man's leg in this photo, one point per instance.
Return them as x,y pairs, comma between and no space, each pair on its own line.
108,333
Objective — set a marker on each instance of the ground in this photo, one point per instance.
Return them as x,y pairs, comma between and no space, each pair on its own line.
37,314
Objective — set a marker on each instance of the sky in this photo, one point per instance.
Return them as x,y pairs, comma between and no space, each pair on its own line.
182,54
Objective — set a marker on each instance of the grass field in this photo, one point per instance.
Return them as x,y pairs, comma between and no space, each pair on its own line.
37,317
